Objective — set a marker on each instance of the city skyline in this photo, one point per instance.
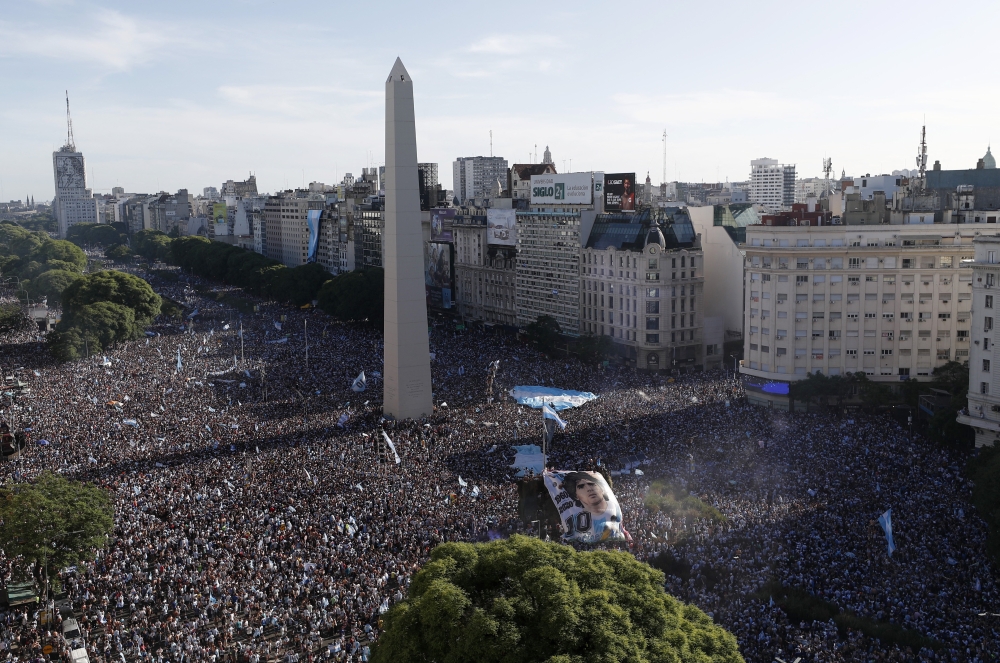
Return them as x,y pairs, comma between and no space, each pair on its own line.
160,102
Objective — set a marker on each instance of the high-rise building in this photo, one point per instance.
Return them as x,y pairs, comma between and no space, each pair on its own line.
892,301
485,274
74,203
239,189
772,184
475,177
641,284
983,412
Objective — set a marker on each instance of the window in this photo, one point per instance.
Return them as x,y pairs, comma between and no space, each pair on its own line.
653,307
854,263
851,353
853,280
652,323
801,280
886,351
944,316
889,280
782,298
652,338
781,352
869,352
986,365
869,279
984,387
989,301
869,316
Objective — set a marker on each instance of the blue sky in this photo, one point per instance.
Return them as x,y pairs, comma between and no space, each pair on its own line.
189,94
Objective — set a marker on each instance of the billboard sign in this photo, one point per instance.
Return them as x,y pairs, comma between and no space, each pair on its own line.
441,225
567,189
619,192
438,273
501,227
313,218
588,510
70,172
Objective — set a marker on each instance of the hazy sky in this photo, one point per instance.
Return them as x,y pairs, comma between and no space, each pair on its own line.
178,94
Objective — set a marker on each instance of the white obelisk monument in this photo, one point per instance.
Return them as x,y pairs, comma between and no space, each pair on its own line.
407,374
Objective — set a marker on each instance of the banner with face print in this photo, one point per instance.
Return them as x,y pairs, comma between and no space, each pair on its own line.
587,508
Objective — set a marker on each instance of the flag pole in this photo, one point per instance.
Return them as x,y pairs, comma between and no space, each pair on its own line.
305,327
242,358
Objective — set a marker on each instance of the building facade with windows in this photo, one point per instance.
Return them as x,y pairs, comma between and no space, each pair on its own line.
475,177
772,184
983,412
893,301
548,265
642,284
485,275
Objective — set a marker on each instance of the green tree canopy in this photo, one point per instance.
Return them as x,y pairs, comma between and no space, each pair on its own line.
51,284
355,295
152,245
118,253
299,285
524,601
55,519
544,333
115,287
592,349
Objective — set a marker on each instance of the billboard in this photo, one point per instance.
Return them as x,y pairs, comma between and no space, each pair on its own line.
619,192
220,218
437,273
588,510
441,225
567,189
313,218
501,227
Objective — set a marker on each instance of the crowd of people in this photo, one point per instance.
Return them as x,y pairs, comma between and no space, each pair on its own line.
260,515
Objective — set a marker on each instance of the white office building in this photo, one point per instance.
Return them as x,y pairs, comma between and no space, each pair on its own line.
983,413
893,301
74,203
475,177
772,184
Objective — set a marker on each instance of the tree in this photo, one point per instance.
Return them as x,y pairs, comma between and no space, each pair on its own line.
115,287
51,285
544,333
355,295
299,285
12,318
118,253
523,600
984,470
54,521
952,378
592,349
152,245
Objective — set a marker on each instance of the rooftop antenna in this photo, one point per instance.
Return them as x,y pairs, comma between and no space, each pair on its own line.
665,156
491,142
922,154
827,169
70,143
535,158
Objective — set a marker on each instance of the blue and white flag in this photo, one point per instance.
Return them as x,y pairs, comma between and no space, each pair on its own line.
885,520
360,383
180,364
549,413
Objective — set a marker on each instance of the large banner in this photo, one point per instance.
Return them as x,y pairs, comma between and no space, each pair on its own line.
619,192
501,227
589,511
568,189
437,273
313,217
441,225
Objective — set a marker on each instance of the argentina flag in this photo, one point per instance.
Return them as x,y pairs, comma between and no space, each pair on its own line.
885,520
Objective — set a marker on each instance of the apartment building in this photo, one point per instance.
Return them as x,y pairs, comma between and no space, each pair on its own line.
893,301
286,228
641,284
983,412
485,274
548,265
772,184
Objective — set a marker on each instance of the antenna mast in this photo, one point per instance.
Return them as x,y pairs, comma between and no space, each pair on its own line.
491,142
827,169
922,154
69,127
664,156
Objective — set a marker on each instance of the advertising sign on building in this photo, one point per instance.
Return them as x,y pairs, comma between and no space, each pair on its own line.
437,273
441,225
501,227
619,192
599,187
567,189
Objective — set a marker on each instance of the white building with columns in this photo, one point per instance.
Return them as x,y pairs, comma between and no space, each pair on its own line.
983,412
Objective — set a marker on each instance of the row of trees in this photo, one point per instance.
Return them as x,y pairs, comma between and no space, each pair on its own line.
950,382
102,309
40,266
546,335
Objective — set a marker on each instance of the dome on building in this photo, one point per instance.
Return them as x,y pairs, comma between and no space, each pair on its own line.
988,160
655,236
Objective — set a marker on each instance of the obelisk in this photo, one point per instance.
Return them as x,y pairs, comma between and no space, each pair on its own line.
407,374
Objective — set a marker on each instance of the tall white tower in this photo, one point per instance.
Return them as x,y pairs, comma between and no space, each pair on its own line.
407,374
74,203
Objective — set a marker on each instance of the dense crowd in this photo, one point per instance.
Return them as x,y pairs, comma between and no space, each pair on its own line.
261,516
